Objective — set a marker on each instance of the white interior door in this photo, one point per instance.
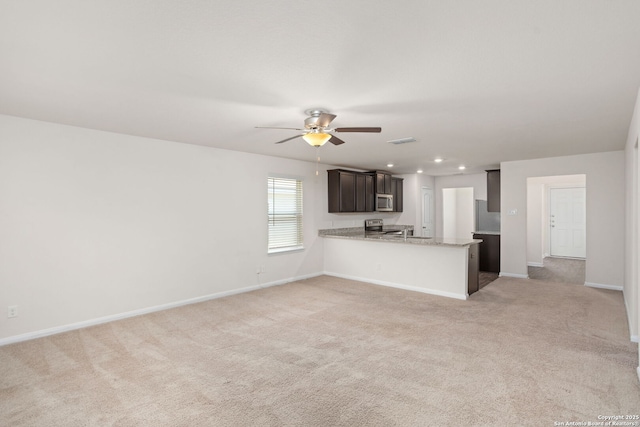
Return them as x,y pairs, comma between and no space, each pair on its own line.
427,212
568,222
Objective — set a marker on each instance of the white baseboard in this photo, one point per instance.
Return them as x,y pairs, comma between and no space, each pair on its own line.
602,286
535,264
632,338
111,318
285,281
517,276
399,286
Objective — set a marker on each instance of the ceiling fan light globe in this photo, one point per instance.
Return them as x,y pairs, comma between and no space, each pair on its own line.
316,139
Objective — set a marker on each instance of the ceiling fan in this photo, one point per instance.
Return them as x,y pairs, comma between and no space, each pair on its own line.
316,129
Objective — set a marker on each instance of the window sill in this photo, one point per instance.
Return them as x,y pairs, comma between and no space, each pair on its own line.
285,250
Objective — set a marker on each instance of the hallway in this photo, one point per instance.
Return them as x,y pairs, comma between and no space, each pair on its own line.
560,270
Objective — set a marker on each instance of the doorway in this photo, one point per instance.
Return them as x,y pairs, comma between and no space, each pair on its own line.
556,227
457,213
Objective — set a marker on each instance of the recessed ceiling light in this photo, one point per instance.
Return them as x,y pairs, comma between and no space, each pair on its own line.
438,160
419,171
389,165
462,167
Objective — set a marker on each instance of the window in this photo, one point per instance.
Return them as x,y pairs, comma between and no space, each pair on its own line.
285,214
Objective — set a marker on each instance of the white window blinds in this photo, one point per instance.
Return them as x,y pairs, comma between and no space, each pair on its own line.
285,214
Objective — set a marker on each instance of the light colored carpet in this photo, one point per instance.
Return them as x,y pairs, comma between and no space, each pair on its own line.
560,270
486,277
333,352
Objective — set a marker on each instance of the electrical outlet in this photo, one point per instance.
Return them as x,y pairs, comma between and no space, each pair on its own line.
263,269
12,311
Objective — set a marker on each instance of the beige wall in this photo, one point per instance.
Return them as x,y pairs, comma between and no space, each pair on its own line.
535,222
96,224
605,212
412,214
632,253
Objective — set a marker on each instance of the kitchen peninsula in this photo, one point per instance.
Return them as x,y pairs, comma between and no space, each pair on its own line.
445,267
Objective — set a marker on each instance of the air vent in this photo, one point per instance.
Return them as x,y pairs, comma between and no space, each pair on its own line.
402,140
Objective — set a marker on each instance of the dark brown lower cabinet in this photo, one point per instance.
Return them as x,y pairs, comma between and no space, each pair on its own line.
489,252
473,281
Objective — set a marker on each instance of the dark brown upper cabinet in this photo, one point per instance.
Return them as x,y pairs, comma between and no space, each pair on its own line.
365,195
493,190
351,191
342,191
398,194
383,182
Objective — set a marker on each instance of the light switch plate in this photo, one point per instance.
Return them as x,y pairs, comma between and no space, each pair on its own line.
512,212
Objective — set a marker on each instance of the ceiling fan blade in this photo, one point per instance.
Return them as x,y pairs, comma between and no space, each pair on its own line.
376,130
335,140
271,127
288,139
325,118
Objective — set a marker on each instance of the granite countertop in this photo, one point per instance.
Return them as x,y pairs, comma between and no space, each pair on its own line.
357,233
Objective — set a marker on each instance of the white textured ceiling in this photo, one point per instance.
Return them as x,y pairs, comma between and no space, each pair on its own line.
475,82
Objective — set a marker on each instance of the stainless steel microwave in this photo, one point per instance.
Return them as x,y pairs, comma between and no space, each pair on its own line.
384,203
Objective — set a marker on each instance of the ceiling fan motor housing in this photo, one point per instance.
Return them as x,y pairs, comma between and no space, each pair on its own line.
311,122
